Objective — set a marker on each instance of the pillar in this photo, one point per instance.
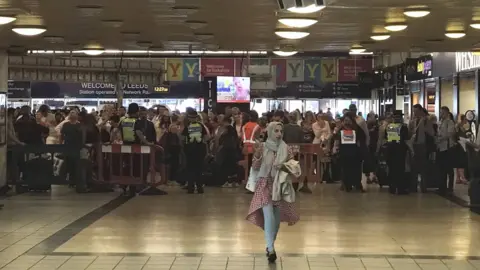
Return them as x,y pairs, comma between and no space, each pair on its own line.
455,97
438,95
477,94
3,89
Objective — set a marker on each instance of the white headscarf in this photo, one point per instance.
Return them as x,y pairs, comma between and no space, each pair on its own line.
275,152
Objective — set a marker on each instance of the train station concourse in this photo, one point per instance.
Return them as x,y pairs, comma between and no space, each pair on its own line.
179,231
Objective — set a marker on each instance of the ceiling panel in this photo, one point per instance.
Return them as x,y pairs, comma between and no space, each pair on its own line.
247,24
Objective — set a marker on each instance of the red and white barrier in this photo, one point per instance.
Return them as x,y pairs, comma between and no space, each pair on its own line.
127,149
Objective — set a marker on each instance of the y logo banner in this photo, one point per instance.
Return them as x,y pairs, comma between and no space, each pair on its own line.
174,69
191,69
328,70
312,71
295,70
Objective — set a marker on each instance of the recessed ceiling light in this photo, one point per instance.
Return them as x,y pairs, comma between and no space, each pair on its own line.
298,22
185,10
475,25
288,34
131,35
204,35
144,44
196,24
7,19
357,49
90,10
380,37
395,27
306,9
29,30
93,49
54,39
113,23
285,53
416,12
455,34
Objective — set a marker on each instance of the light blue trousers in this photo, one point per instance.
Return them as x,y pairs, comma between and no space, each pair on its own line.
271,216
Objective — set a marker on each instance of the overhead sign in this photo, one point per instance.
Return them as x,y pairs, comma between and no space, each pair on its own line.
466,61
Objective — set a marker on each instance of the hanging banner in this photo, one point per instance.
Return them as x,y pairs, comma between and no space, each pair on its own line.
241,67
280,69
313,71
348,69
328,71
217,67
191,69
174,70
295,71
210,93
18,89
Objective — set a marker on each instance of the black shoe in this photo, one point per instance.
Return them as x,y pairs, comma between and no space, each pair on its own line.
272,257
266,252
200,190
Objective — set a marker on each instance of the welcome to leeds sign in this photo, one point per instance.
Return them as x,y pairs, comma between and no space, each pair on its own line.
466,61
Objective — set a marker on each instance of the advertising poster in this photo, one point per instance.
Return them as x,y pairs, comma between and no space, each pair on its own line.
191,69
313,71
348,69
328,70
295,72
217,67
280,69
174,69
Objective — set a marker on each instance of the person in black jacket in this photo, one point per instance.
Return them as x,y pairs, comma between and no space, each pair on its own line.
228,155
351,149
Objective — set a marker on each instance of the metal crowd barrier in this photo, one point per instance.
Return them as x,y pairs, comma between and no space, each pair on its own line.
128,165
38,167
309,155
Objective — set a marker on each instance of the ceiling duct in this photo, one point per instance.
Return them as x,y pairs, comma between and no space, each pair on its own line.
291,4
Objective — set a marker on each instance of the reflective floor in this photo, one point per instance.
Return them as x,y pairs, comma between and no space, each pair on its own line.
179,231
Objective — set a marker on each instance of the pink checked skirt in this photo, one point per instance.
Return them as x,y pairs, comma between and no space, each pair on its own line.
262,197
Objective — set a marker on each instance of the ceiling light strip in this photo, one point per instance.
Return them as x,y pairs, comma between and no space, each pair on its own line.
152,52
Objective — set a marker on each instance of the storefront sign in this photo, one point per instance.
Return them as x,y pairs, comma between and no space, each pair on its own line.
348,69
217,67
210,93
466,61
18,89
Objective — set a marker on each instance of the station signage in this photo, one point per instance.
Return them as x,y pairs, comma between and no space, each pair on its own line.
466,61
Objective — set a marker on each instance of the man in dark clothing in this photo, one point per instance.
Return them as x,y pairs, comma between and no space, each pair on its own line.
194,136
145,126
292,133
73,136
28,130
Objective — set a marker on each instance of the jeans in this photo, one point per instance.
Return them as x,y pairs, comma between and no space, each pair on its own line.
420,167
271,217
445,161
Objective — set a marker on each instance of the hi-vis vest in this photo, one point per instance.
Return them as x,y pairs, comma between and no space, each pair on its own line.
393,132
249,130
128,131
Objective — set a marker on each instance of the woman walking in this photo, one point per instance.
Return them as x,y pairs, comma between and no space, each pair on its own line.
264,212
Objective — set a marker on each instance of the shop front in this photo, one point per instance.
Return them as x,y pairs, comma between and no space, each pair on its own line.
466,82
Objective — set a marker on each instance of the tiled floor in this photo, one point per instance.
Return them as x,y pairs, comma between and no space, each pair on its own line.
180,232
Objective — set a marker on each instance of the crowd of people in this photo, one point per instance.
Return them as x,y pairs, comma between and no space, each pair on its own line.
352,146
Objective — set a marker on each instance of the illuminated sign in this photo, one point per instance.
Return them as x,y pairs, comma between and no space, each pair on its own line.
160,89
466,61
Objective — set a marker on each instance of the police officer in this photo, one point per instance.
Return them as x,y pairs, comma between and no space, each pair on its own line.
396,154
133,133
194,137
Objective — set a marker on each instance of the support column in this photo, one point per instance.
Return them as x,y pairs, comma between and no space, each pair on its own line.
421,99
438,95
3,89
477,94
455,97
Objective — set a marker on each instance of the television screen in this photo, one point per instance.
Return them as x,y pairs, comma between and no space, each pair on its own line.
233,89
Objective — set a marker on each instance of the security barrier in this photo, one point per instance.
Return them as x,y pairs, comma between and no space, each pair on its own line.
38,167
128,165
309,155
